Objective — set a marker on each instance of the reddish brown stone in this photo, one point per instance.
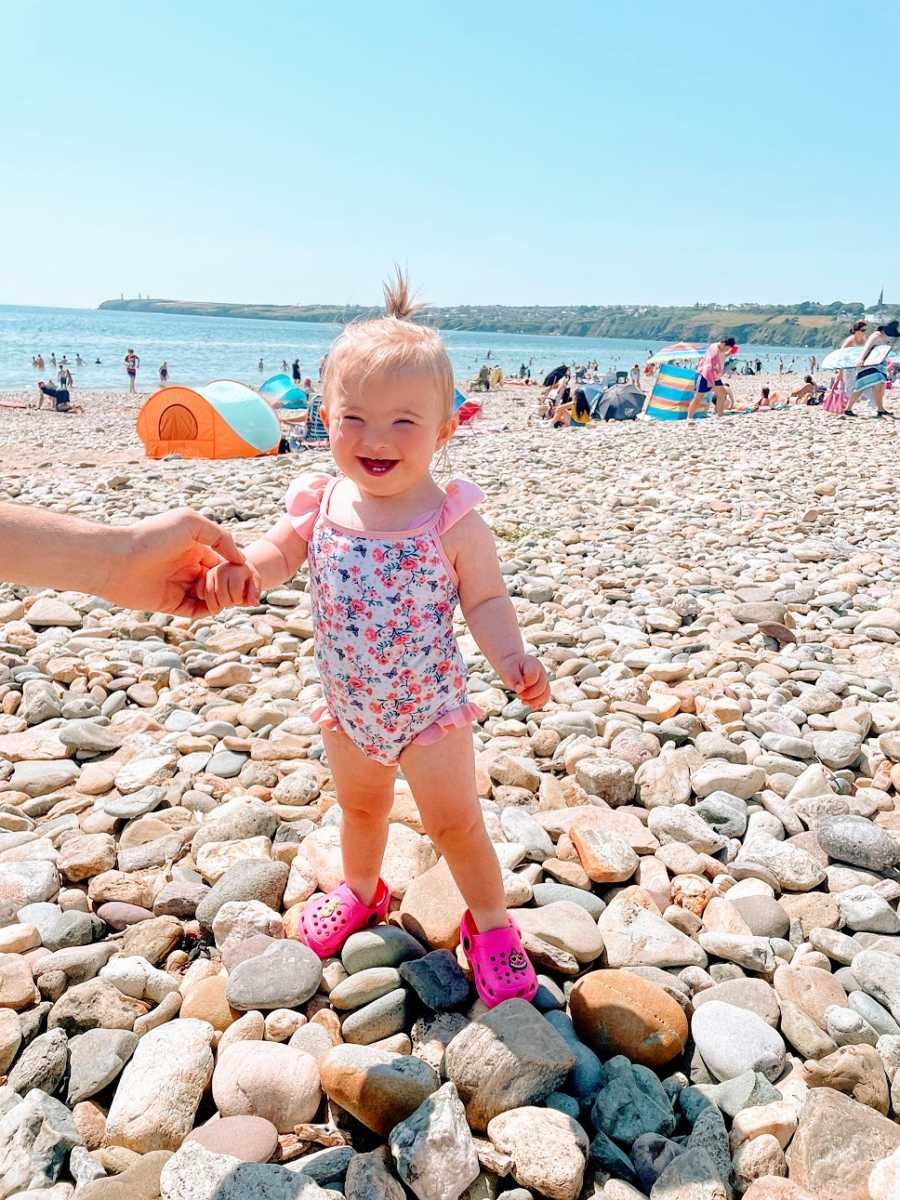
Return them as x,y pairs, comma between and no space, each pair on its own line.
615,1012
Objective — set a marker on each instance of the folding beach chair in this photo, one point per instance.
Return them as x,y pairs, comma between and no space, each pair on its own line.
311,432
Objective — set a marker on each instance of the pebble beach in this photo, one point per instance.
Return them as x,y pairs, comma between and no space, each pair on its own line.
700,839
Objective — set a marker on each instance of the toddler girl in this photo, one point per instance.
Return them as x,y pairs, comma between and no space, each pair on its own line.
390,555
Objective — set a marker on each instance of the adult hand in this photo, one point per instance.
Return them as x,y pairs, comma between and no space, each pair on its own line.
164,563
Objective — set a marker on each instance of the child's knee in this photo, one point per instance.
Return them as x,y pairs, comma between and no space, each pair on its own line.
367,804
456,830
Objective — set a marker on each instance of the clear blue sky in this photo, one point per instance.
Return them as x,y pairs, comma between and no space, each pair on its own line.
509,151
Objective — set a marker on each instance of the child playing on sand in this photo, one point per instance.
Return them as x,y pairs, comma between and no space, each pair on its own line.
390,554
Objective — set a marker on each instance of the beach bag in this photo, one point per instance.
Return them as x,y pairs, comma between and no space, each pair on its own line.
836,399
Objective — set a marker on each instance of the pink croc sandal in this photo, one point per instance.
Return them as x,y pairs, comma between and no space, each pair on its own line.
501,967
327,923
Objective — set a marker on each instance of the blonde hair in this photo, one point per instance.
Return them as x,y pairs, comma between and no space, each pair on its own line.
388,343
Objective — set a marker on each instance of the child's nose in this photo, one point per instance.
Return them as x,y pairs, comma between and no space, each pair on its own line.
377,438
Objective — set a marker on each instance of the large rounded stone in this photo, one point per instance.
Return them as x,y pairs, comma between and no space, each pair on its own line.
251,1139
138,1182
42,1064
811,989
548,1149
96,1059
285,975
17,990
206,1000
732,1040
385,946
432,909
508,1058
856,840
615,1012
380,1089
837,1143
248,880
95,1004
159,1090
754,995
267,1079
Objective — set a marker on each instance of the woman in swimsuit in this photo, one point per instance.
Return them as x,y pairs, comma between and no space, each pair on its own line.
132,362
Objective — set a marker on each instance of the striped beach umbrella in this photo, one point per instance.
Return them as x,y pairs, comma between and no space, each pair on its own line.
678,351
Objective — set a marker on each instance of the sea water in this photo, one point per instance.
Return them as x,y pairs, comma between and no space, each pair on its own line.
198,349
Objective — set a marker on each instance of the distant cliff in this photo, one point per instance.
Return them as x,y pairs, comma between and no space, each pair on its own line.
807,324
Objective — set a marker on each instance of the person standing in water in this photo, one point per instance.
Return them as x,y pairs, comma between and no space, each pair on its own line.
163,373
132,362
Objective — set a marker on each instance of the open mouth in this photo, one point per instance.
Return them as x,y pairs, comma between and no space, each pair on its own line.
378,466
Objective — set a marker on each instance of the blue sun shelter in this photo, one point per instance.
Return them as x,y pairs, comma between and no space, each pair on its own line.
281,392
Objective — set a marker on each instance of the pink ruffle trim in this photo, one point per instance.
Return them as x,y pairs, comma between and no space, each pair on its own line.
462,496
323,717
303,501
456,718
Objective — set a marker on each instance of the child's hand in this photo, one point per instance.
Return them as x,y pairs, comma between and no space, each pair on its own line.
528,679
228,585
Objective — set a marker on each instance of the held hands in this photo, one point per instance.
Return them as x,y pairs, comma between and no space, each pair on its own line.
527,678
229,584
161,563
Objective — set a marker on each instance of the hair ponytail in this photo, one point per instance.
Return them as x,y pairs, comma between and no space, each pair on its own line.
399,301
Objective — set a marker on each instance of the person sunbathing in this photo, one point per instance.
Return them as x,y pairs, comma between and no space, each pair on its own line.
768,399
804,393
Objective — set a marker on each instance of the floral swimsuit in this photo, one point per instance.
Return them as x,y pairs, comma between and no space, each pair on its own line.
382,606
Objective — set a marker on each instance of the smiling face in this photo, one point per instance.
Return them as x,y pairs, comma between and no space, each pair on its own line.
385,434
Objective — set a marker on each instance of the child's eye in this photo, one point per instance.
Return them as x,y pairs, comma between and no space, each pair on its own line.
358,419
404,421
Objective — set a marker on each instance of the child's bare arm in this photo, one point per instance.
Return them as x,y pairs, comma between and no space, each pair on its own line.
270,560
489,612
277,555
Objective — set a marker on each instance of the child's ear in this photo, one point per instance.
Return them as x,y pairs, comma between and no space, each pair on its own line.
448,429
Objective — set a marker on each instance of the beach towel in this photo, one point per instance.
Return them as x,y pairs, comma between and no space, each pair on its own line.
869,377
672,393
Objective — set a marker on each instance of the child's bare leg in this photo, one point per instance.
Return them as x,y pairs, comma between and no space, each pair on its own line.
442,778
365,792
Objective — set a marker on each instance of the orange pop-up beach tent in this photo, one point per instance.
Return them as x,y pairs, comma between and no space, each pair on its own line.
225,419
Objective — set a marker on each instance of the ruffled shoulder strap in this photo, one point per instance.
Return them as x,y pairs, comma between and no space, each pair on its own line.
303,501
462,496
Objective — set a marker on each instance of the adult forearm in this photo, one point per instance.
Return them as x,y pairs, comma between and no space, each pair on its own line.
45,549
494,627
